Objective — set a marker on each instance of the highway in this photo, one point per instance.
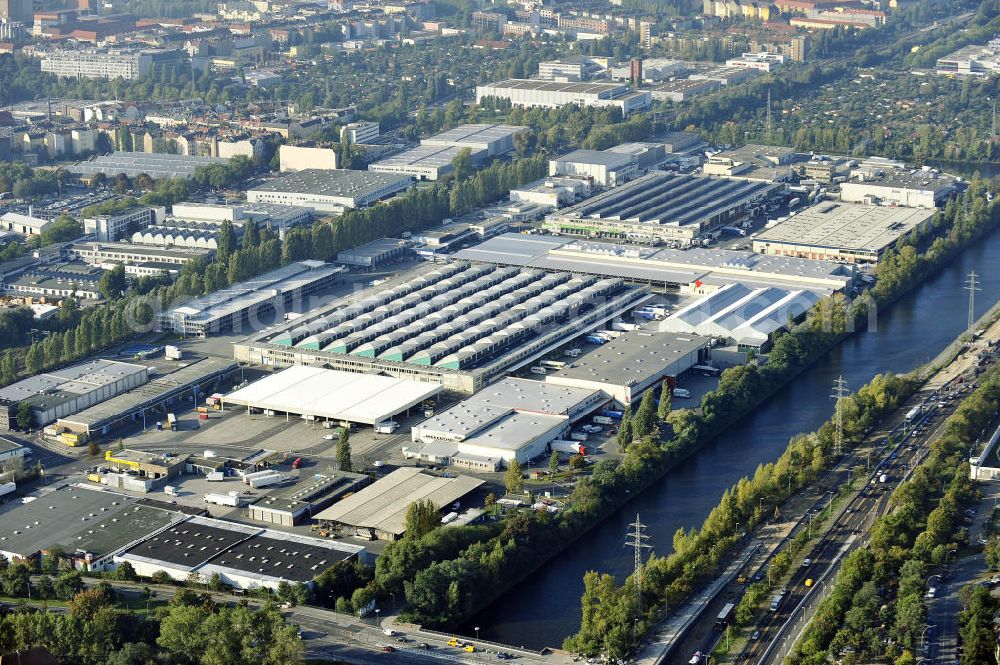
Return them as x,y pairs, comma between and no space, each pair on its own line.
779,629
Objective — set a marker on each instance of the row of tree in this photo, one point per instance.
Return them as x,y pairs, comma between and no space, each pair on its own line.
875,608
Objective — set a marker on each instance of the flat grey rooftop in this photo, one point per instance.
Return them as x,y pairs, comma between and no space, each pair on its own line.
553,86
425,156
58,517
607,158
375,248
838,225
663,265
186,374
632,357
474,134
339,182
73,380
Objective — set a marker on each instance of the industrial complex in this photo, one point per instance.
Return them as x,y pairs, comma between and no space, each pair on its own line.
836,231
314,393
510,419
66,391
663,207
457,325
553,94
696,270
379,510
241,303
741,315
243,556
328,190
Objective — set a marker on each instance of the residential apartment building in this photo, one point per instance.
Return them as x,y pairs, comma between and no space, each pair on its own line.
108,64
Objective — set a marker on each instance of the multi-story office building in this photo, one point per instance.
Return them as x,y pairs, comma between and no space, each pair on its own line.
109,228
359,132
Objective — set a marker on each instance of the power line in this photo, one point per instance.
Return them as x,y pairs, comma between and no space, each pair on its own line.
840,391
637,539
972,285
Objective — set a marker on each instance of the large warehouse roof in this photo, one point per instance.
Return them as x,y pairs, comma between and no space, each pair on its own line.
332,182
332,394
77,518
641,264
740,313
660,198
837,225
382,505
69,381
156,165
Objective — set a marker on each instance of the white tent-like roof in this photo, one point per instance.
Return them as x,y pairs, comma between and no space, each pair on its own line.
333,394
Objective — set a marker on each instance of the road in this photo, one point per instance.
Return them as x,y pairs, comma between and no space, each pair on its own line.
781,629
846,530
940,645
329,634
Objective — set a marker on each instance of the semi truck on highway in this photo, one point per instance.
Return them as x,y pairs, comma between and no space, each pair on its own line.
913,413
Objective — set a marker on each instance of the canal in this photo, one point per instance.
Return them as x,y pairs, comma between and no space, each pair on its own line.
544,609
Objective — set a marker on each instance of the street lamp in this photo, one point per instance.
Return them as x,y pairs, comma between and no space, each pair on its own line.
477,633
950,552
924,632
376,617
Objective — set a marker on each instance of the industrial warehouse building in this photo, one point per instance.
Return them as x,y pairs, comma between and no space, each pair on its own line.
510,419
329,190
740,315
493,140
293,506
88,522
230,308
836,231
66,391
315,393
625,367
122,252
664,207
553,94
924,188
453,324
379,510
375,253
604,167
425,162
133,164
149,402
697,270
247,557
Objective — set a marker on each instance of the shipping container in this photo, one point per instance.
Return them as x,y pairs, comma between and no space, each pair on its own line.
268,481
215,476
386,427
603,420
539,370
572,353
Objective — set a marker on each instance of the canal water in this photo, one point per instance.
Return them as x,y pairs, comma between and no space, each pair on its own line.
544,609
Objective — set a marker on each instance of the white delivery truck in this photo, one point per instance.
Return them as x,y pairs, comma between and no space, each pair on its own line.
682,393
386,427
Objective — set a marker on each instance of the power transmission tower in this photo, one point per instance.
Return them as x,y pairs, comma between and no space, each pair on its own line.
637,539
972,285
840,391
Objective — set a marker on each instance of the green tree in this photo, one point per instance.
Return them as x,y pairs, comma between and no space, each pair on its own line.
462,164
666,401
113,283
422,517
513,480
344,451
227,241
554,461
645,416
625,431
25,416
